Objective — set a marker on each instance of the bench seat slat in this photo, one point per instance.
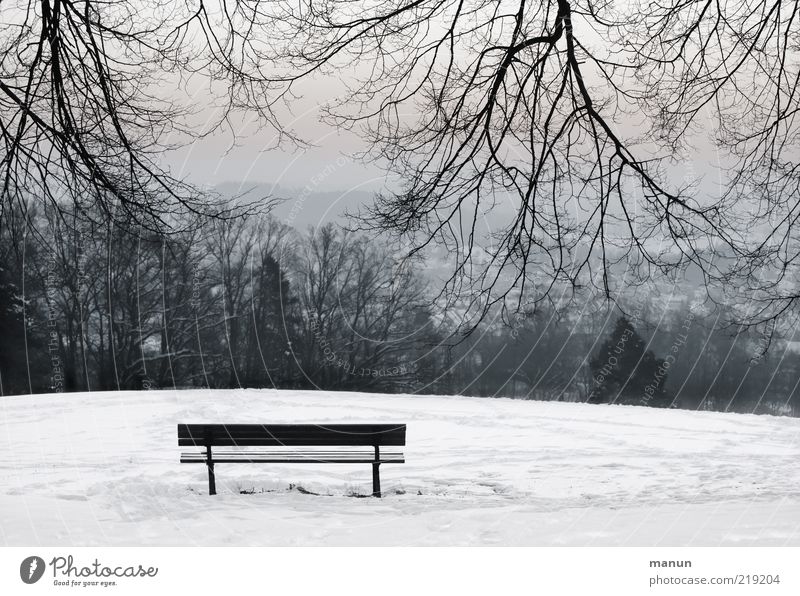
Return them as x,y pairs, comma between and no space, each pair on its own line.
361,454
295,453
260,460
306,457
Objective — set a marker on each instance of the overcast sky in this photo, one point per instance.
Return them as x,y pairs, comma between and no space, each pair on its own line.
327,164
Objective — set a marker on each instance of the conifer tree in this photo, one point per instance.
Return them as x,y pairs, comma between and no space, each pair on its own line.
624,371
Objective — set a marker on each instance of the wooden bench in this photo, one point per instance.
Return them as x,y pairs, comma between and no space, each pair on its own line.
373,436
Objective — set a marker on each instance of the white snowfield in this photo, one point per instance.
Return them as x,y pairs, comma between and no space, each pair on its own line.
102,469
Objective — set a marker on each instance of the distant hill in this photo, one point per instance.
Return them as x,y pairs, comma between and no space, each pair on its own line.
312,205
302,207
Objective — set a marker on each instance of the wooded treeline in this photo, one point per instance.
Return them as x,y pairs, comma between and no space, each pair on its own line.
247,302
252,302
677,354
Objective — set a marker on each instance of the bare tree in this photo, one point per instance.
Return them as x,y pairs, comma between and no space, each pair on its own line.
358,304
88,105
573,111
231,245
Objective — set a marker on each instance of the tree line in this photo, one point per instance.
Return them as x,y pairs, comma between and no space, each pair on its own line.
252,302
244,302
681,355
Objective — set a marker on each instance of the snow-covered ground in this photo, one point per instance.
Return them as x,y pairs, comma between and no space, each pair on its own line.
102,469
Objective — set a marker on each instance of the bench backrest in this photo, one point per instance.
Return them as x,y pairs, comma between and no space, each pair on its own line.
291,435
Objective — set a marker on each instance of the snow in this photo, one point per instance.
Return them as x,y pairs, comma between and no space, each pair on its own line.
102,469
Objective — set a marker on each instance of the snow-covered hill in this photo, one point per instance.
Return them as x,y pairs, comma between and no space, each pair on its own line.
102,469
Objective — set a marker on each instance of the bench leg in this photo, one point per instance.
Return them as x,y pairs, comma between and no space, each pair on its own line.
212,481
376,474
376,480
212,484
